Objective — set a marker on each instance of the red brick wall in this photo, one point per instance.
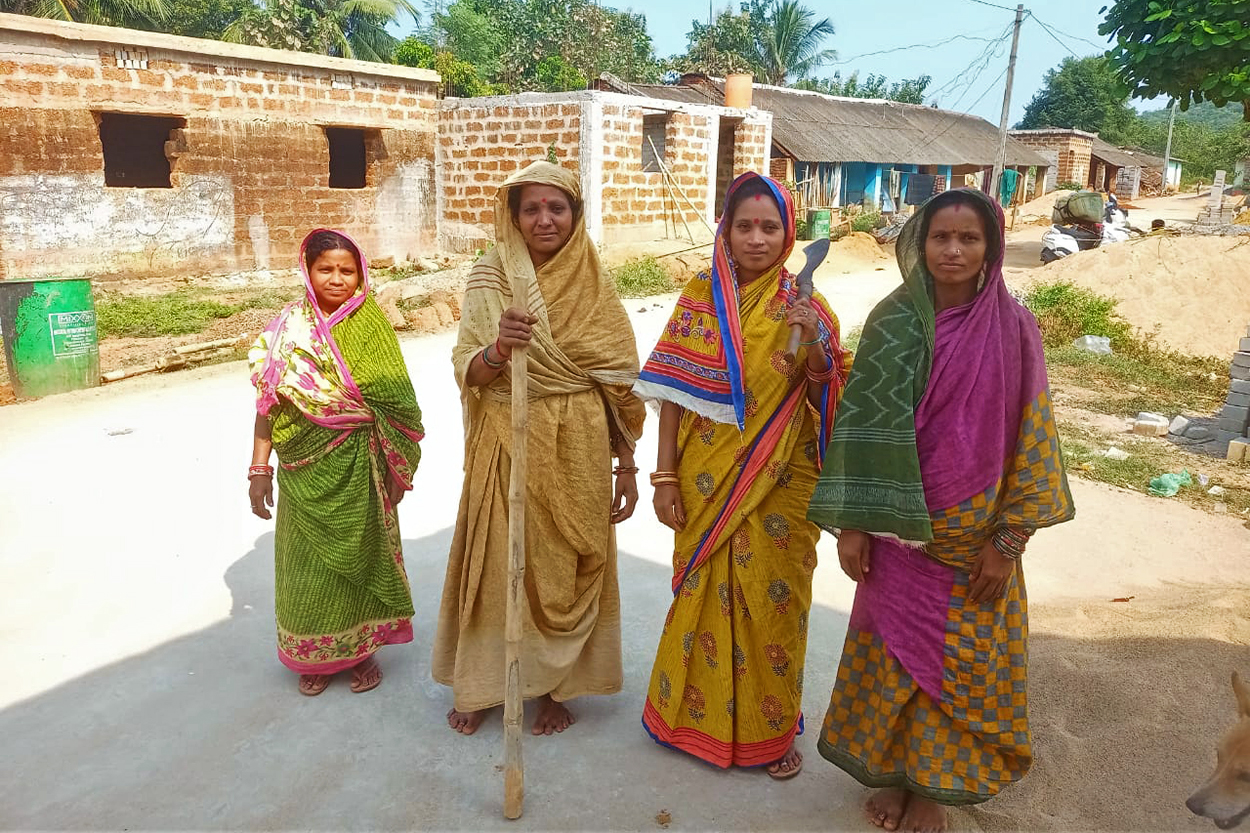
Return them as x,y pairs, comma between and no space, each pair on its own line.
598,135
1074,152
250,171
750,148
639,200
482,142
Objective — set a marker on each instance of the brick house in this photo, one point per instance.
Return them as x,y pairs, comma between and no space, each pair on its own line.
840,151
620,146
1084,158
125,152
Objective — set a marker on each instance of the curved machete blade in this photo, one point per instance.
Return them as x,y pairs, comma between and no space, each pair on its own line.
816,252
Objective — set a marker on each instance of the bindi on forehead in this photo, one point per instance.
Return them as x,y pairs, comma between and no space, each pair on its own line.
756,221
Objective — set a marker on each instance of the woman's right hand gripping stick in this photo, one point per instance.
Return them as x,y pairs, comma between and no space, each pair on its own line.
515,331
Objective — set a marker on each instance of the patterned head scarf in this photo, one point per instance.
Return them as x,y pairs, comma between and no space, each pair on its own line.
296,358
698,362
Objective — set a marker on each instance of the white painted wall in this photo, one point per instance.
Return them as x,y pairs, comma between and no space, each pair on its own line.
73,224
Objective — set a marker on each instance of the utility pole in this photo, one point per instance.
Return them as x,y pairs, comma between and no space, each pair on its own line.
1000,159
1167,154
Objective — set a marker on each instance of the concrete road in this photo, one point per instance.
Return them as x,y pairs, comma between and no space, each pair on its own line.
142,690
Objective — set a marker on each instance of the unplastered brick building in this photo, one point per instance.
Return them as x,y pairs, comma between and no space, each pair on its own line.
648,167
133,153
1085,159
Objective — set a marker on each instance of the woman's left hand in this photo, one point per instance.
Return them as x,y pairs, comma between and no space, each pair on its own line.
626,497
991,573
803,314
394,490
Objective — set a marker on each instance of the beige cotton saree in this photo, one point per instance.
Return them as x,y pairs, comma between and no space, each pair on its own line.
582,364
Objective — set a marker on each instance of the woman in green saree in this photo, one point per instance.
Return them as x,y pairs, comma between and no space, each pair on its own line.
334,400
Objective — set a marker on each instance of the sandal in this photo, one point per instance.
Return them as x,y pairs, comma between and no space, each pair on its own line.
310,685
779,774
359,682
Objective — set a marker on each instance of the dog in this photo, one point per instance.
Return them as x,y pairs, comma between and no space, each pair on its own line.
1225,797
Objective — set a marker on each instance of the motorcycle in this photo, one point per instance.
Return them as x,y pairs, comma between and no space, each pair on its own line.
1070,234
1059,241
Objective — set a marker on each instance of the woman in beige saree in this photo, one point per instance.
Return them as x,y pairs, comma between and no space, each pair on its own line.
582,364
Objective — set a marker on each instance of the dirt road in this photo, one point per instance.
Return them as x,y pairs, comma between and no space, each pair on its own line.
143,692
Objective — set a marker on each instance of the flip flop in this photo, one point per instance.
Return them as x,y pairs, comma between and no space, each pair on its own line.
781,775
359,687
318,683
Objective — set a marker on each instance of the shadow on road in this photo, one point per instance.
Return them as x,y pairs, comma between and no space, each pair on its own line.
207,731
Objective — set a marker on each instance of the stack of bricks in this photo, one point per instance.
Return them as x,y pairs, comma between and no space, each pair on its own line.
1208,216
1235,416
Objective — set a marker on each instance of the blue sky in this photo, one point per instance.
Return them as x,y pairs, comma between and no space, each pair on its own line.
877,25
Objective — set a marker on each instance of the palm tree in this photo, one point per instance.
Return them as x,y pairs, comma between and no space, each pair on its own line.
342,28
101,12
790,45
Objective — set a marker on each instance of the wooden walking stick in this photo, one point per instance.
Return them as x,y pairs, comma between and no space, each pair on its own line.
513,702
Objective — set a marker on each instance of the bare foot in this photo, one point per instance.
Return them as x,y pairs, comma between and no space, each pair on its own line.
366,676
788,766
465,723
923,816
552,717
884,808
313,684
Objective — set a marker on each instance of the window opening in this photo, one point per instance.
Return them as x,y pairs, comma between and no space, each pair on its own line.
654,131
134,149
347,157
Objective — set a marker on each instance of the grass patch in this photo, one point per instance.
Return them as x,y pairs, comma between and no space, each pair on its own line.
179,313
271,298
1066,312
174,314
1150,377
415,302
851,340
1162,381
866,221
1083,456
1082,453
641,278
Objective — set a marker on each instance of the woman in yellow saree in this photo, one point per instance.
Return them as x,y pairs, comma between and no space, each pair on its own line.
742,431
582,361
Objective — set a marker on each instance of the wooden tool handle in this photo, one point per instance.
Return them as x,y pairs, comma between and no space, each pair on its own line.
513,704
796,335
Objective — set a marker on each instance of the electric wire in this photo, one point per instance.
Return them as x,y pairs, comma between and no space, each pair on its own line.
994,5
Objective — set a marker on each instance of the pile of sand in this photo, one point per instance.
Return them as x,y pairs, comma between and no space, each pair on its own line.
1194,290
857,248
1042,206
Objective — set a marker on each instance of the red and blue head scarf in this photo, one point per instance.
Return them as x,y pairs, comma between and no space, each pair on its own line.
698,362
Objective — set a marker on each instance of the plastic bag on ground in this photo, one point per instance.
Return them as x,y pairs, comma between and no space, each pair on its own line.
1099,345
1167,485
